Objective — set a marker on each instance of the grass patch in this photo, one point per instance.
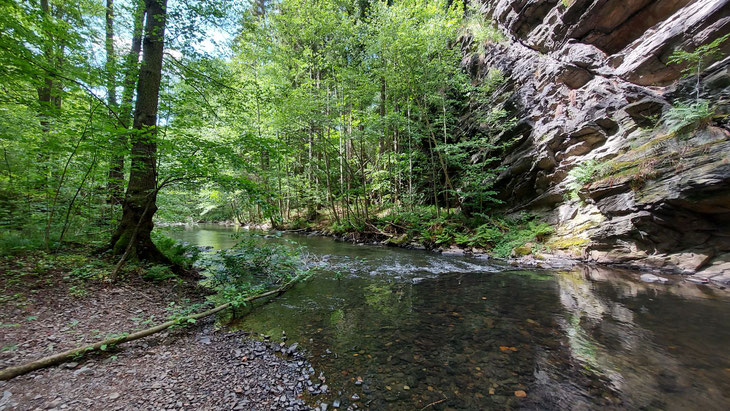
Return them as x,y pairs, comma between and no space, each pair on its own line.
13,242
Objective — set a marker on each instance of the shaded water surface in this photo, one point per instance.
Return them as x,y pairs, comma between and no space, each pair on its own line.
425,330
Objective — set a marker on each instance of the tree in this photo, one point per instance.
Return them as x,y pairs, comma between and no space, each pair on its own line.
133,234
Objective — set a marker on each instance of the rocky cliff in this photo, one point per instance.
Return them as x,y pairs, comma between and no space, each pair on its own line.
589,81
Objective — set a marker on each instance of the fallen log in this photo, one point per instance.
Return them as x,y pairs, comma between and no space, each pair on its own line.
17,370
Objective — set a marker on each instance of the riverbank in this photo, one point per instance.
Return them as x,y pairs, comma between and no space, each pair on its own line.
521,240
53,303
535,256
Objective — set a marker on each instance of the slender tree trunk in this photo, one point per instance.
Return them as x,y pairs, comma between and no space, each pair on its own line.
131,65
131,70
139,204
330,195
410,159
365,193
111,66
46,90
116,163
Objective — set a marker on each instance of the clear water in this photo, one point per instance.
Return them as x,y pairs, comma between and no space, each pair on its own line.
425,330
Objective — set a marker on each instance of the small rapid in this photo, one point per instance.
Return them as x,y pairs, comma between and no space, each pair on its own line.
406,329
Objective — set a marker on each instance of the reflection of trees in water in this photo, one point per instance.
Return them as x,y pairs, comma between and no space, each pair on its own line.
603,335
388,299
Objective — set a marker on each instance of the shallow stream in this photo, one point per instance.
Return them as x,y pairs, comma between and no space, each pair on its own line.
422,330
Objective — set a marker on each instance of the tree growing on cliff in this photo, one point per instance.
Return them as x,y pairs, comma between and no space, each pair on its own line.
696,61
697,113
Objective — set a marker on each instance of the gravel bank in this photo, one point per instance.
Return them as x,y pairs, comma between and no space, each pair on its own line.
197,367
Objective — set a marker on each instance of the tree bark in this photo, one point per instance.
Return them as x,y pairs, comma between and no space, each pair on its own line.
111,66
116,163
139,202
131,65
131,68
45,92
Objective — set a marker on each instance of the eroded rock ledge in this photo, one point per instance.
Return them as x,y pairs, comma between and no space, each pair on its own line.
587,80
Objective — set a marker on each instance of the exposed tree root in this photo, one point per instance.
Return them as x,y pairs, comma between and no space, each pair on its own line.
14,371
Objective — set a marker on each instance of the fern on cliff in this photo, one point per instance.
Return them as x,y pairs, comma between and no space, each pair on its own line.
684,115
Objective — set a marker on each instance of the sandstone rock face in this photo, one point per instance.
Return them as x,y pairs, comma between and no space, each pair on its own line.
588,81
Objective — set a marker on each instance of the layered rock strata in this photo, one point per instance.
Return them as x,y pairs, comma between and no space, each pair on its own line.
589,82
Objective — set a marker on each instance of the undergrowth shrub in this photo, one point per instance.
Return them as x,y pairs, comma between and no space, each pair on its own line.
482,30
17,241
158,273
180,253
497,234
253,265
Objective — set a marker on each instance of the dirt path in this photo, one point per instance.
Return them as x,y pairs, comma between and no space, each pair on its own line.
198,367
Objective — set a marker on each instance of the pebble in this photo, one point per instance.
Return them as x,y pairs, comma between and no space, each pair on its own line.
83,371
55,403
292,348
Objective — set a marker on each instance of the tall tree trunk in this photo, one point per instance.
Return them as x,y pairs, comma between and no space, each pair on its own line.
111,65
131,65
139,204
46,95
116,163
131,69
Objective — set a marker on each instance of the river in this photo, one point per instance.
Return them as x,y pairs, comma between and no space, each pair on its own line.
422,330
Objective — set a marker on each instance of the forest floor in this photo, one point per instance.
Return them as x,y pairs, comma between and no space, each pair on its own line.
45,309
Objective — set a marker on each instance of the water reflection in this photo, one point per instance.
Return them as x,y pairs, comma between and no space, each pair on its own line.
659,346
219,237
460,333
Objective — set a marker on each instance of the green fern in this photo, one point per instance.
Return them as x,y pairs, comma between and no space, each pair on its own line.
583,174
685,115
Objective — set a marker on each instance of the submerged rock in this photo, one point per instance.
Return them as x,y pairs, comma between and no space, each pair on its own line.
651,278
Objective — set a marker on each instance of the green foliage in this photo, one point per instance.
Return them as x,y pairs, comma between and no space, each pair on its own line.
695,61
77,291
582,174
502,235
684,116
178,252
158,273
520,235
482,30
318,111
15,241
9,348
499,235
700,57
253,265
94,271
179,312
